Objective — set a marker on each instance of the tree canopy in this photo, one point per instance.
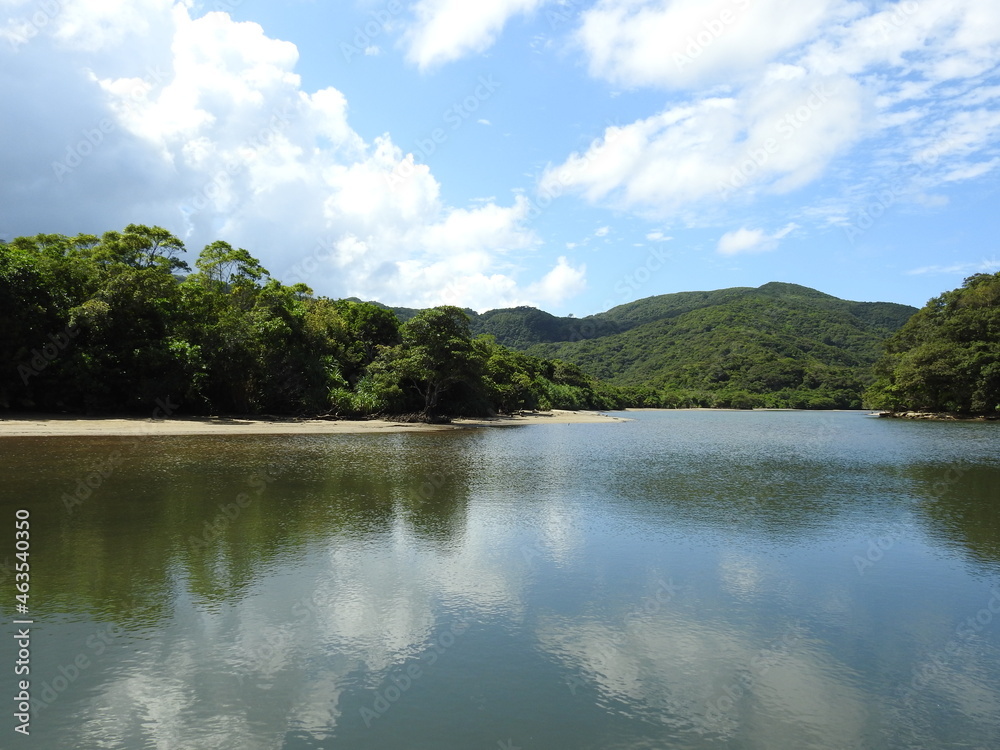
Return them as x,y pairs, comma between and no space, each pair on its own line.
115,322
111,324
947,356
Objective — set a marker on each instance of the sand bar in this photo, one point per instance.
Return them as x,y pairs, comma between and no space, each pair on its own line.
53,426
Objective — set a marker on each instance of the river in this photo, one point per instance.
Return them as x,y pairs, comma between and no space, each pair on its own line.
689,579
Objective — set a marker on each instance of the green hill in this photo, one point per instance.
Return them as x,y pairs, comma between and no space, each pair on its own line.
775,345
947,356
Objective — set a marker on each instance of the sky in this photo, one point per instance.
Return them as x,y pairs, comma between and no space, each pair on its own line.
566,154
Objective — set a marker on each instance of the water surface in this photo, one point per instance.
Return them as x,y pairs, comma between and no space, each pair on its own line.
685,580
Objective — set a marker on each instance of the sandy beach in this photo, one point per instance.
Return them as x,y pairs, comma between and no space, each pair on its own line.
52,426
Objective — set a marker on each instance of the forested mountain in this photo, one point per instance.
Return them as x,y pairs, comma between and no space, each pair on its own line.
780,345
775,345
947,356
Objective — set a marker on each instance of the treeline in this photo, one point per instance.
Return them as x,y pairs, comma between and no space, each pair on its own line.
120,322
947,356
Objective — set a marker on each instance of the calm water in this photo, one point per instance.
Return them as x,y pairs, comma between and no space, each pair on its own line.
687,580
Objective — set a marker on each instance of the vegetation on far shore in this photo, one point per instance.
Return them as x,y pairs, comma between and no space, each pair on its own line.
778,346
119,323
114,323
946,359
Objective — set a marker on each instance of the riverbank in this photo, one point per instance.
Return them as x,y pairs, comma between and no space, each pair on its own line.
69,426
938,416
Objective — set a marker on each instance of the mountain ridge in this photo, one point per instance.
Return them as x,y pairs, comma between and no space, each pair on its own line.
776,344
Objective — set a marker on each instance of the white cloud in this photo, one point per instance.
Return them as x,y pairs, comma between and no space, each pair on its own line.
752,240
446,30
484,122
602,232
221,141
658,237
780,93
683,43
774,137
964,269
561,283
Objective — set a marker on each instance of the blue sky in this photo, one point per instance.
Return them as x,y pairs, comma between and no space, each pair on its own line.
565,154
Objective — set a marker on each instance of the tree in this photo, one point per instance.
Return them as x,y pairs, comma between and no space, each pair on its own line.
105,324
365,328
508,377
222,264
436,356
947,356
139,246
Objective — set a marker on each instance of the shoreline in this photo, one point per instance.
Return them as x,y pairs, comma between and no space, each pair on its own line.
937,416
73,426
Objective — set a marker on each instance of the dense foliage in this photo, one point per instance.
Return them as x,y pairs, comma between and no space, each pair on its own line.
116,322
122,323
947,357
779,345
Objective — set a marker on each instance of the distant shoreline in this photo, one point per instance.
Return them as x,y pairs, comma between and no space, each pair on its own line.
73,426
938,416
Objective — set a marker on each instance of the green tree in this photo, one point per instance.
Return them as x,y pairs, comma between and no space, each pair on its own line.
509,377
436,358
140,246
947,357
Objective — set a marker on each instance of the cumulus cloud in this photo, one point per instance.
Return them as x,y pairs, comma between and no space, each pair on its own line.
446,30
681,43
752,240
774,137
768,96
201,125
561,283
